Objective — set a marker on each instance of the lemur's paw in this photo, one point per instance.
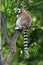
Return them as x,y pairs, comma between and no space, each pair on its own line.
17,28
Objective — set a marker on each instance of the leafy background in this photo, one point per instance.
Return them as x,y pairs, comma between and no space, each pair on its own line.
35,7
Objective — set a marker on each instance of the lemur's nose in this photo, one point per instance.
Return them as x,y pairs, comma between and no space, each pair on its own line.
16,12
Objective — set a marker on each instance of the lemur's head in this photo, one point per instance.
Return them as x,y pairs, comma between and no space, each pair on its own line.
18,11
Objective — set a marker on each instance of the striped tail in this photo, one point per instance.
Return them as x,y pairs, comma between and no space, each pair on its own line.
26,53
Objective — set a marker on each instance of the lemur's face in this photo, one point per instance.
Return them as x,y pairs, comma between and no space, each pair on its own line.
18,10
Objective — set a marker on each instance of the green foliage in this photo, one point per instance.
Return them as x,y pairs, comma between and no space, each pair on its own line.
35,31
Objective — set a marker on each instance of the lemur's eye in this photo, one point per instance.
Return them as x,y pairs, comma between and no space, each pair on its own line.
18,10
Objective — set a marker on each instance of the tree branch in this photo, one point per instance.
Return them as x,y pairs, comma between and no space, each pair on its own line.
9,56
9,41
12,41
1,56
20,3
14,38
5,28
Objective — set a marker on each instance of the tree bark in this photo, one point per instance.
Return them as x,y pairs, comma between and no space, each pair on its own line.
1,56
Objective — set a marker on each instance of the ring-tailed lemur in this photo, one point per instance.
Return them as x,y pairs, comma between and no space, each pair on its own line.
23,21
